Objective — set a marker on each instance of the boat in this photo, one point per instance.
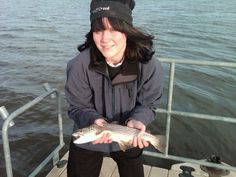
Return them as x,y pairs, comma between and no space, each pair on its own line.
189,167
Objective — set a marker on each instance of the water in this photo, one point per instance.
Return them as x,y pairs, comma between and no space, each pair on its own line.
37,38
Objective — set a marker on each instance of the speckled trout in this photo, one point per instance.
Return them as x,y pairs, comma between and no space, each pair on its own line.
120,134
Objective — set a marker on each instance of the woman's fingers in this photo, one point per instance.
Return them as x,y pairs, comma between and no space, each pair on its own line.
137,141
100,122
106,138
145,143
140,143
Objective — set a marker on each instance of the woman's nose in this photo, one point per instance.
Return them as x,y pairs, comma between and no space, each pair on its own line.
106,36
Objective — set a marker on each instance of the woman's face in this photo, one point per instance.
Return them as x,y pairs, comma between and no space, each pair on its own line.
110,43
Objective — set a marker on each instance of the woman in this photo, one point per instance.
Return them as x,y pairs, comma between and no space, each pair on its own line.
115,78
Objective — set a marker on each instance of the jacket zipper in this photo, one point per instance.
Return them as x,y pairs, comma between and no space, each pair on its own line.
113,101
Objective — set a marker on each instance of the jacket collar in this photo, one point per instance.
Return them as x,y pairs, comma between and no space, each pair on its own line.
129,71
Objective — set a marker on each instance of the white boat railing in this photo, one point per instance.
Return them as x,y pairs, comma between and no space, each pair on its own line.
8,122
169,112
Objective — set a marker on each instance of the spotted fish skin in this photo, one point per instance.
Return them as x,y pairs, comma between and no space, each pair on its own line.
120,134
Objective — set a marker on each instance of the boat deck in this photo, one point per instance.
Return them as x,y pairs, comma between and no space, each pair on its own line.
109,169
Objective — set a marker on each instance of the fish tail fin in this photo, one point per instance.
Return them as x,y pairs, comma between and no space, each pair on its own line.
159,143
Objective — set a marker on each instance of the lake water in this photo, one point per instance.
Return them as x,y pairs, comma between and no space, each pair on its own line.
37,38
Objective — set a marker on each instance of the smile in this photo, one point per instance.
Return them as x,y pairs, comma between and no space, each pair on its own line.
107,47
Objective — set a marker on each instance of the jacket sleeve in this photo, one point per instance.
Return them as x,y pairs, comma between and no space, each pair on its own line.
149,92
79,95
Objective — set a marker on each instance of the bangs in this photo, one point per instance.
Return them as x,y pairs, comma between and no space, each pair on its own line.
100,25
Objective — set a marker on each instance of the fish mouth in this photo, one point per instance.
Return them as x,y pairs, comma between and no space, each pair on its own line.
75,137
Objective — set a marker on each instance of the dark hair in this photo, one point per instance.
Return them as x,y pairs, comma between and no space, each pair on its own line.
139,44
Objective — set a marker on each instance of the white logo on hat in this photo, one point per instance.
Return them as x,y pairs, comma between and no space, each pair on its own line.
98,9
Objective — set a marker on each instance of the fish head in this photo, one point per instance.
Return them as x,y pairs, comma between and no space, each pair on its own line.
86,134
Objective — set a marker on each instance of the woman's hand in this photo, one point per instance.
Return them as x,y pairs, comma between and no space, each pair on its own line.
137,140
106,136
100,122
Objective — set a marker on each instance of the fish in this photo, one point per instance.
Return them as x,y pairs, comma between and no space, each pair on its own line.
119,133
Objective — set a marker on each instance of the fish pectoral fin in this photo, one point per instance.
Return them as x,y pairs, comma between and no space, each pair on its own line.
122,145
98,132
102,131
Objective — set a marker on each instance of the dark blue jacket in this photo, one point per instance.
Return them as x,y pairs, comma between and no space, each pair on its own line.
134,93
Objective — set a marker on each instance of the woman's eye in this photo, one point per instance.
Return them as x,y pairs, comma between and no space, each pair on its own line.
97,32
